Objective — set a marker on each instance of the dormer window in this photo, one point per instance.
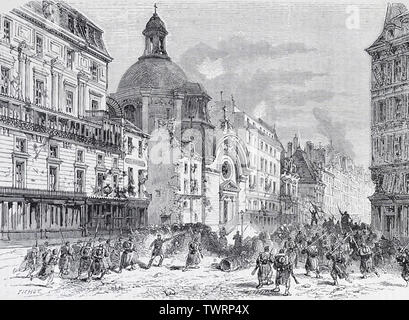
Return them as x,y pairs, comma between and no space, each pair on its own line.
6,30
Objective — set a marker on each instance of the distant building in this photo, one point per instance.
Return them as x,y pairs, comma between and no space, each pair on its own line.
389,131
331,180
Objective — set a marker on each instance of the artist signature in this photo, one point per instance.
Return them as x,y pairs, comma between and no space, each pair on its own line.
28,292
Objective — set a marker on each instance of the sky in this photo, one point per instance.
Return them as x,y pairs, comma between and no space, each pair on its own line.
300,65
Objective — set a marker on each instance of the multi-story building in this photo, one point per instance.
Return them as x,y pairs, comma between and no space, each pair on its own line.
346,186
389,131
62,163
290,202
250,148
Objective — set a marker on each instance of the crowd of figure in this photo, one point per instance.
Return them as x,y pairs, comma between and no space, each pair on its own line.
333,244
324,243
93,259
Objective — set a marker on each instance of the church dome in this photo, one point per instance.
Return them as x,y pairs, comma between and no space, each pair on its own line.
153,72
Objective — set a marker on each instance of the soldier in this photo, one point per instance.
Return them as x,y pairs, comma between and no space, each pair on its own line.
65,258
403,261
366,265
377,255
44,250
194,256
97,265
237,241
338,269
312,259
263,265
157,251
291,251
284,269
128,258
30,261
314,216
115,254
48,268
85,261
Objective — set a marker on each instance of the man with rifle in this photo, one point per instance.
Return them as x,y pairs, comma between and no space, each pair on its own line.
284,269
157,251
312,264
339,263
263,268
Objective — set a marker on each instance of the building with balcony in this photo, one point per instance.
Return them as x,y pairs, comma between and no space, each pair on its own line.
62,161
389,130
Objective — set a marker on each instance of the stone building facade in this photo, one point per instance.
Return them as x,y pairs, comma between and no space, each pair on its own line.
62,158
389,131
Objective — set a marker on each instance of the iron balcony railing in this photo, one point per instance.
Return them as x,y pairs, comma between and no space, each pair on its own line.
26,192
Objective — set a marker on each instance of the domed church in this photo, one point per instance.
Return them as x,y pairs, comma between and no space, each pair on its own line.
156,96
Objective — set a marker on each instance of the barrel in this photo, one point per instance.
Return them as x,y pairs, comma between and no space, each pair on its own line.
230,264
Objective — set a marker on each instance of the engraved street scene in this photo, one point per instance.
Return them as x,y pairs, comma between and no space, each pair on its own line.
204,150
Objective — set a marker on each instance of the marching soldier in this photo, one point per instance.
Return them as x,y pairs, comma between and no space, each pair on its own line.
338,269
366,265
157,251
291,251
194,256
85,261
65,256
263,265
311,265
48,268
97,267
284,269
403,261
127,257
30,261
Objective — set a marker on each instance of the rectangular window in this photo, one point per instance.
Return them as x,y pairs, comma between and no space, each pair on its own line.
100,181
19,174
79,181
130,145
39,44
94,104
69,99
115,163
130,177
5,80
115,181
39,92
53,178
186,168
94,71
80,156
70,58
274,187
21,145
140,149
100,160
53,151
6,30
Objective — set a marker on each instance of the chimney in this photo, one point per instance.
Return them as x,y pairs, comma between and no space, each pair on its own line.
289,149
296,143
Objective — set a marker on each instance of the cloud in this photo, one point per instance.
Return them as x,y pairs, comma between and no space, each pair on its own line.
335,132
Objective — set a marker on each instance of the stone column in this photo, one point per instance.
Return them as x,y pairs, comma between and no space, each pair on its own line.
21,71
55,90
145,111
60,95
27,84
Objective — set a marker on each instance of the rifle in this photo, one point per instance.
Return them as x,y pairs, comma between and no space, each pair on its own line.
254,271
96,232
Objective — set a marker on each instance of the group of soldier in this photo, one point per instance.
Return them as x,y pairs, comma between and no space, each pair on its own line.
93,259
334,248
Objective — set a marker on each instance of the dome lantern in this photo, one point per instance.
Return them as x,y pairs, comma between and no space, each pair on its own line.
155,34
